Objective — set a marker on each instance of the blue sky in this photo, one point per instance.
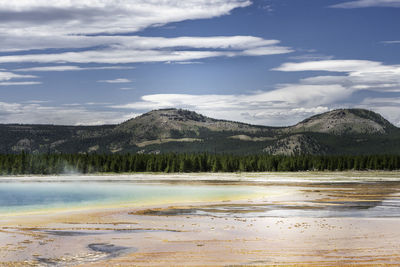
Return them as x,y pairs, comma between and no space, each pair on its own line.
270,62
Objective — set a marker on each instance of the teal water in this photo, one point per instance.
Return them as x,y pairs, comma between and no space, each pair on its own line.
35,196
302,196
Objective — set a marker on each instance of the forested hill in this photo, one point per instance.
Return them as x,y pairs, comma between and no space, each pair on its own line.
338,132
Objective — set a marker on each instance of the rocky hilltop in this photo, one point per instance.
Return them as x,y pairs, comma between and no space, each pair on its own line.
342,131
345,121
176,123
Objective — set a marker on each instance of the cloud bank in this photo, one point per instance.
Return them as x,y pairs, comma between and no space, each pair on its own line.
77,114
100,31
287,104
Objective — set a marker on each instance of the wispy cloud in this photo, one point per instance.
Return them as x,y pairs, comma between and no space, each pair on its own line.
72,114
310,57
134,49
330,65
359,74
119,80
391,42
355,76
72,105
97,103
6,76
29,41
388,106
105,16
86,25
368,3
72,68
18,83
184,62
8,79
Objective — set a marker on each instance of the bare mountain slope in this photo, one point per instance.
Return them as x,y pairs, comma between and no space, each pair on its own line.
343,131
178,123
296,144
345,121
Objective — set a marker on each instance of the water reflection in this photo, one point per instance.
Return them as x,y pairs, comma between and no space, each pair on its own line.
372,200
289,197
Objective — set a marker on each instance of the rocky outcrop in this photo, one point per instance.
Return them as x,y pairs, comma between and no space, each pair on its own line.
297,144
23,145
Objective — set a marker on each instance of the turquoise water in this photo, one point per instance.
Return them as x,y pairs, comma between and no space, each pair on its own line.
35,196
300,197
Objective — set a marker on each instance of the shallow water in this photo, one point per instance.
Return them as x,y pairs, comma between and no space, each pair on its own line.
269,195
16,196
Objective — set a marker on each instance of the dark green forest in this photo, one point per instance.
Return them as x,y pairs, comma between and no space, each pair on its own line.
19,164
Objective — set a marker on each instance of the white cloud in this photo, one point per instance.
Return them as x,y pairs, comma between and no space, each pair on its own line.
184,62
6,76
18,83
97,103
72,68
133,49
283,106
355,76
359,74
388,107
119,80
117,56
81,24
98,16
67,115
388,101
329,65
368,3
8,79
391,42
15,42
289,103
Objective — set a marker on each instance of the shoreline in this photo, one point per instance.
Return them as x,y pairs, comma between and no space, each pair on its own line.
205,176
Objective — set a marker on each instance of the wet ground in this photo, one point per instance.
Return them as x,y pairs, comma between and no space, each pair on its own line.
301,222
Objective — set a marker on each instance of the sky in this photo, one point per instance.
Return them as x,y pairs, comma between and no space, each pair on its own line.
266,62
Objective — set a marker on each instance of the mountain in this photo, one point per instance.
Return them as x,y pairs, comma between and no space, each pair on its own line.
178,123
342,131
345,121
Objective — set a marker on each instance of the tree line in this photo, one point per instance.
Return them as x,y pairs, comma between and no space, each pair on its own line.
19,164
